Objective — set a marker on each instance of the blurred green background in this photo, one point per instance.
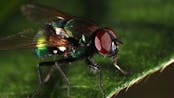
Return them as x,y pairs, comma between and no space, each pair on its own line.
139,20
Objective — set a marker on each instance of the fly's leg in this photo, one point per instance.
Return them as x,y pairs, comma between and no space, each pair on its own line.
41,80
52,64
65,78
96,66
114,59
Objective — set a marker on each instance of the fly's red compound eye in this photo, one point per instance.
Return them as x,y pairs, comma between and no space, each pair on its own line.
104,41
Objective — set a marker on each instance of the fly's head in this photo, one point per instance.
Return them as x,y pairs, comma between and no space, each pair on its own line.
106,43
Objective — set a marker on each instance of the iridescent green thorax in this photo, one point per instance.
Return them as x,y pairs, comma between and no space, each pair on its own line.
78,53
58,28
78,28
59,22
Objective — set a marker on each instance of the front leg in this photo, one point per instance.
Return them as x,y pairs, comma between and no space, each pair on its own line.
114,60
96,66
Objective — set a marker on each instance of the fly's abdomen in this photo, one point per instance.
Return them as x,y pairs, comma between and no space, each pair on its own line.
49,45
41,49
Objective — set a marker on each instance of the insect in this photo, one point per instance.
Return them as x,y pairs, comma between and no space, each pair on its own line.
67,36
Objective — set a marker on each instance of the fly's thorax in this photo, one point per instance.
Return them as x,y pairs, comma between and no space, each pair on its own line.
79,28
76,53
56,28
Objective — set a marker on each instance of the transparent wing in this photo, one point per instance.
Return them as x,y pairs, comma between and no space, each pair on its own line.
42,13
18,41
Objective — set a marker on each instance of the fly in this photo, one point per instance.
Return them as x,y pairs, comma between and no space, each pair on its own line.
67,36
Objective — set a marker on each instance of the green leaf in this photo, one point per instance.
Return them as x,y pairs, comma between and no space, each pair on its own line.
145,28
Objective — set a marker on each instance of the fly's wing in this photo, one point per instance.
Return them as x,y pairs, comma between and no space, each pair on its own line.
42,13
18,41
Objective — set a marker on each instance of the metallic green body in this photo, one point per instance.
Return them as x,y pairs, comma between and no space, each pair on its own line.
41,49
80,30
